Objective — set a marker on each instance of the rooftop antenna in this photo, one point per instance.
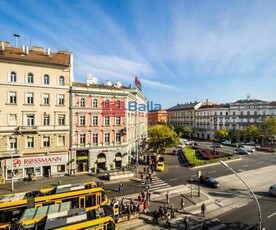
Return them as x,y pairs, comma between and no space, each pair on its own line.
16,39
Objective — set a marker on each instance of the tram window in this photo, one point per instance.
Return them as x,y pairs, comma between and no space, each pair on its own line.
90,201
103,196
74,202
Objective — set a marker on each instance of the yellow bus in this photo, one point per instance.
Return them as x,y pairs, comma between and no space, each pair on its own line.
63,216
87,195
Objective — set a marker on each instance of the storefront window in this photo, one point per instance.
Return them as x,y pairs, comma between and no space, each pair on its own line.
37,171
61,168
17,173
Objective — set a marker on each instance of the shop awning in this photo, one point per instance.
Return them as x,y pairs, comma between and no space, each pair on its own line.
118,158
101,160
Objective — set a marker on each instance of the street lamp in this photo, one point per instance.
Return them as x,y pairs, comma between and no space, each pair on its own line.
198,176
12,188
255,198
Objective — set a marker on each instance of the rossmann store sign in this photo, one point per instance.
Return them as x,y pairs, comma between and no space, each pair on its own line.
36,161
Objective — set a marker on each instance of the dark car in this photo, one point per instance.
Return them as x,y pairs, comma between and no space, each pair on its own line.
272,190
209,181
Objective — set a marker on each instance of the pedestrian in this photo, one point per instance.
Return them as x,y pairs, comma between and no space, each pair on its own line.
121,187
172,211
186,222
168,220
140,198
205,226
156,216
165,209
148,195
143,195
161,211
203,209
146,206
182,205
168,197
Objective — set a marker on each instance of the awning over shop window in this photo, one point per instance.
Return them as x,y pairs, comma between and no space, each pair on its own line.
118,158
101,160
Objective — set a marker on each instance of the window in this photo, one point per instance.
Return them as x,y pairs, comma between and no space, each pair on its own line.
82,139
118,137
106,120
82,120
30,120
106,103
46,79
45,99
61,119
95,138
46,119
61,80
30,78
46,141
234,113
30,142
107,138
61,168
95,103
60,99
13,143
95,120
12,97
61,141
29,98
118,120
82,102
118,104
12,77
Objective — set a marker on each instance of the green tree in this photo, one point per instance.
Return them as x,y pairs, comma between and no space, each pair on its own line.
187,131
162,136
221,134
235,135
252,132
268,127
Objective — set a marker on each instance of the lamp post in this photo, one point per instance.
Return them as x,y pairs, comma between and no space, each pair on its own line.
12,188
198,176
251,191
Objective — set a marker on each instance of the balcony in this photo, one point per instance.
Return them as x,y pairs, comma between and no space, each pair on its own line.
27,129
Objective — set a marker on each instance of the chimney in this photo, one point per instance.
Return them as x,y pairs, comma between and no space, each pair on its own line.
24,48
2,45
27,50
48,51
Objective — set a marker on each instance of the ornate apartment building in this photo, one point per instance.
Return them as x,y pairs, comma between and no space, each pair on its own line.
105,134
34,111
233,116
157,117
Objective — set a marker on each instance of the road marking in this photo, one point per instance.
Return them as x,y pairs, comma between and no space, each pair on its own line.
173,179
242,205
212,172
272,215
248,227
245,166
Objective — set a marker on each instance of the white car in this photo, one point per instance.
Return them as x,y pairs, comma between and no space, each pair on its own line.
226,142
244,151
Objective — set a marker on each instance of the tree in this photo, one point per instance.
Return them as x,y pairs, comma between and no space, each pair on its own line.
162,136
252,132
221,134
268,127
187,131
235,135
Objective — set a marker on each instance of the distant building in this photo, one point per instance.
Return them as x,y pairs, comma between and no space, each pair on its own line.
157,117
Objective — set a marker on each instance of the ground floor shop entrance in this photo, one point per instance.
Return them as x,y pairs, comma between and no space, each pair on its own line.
82,161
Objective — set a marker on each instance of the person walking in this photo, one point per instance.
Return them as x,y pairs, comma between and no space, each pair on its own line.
168,197
146,206
148,195
203,209
205,226
182,205
168,220
186,223
143,195
121,187
172,211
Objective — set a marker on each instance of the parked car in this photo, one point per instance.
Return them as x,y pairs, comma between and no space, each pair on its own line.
209,181
272,190
250,143
174,152
244,151
247,148
160,166
226,142
217,145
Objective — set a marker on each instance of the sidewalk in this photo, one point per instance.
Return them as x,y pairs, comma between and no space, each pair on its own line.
192,210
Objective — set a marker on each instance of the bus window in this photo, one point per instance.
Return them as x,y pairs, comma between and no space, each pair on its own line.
90,201
98,199
82,205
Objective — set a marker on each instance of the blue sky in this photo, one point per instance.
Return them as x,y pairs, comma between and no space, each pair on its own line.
182,51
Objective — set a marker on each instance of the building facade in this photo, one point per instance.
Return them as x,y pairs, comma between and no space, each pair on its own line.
157,117
34,111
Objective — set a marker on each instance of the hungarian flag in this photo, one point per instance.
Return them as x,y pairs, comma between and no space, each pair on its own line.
137,83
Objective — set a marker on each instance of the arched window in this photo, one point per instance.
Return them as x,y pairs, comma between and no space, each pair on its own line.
61,80
12,77
95,103
46,79
30,78
82,102
106,103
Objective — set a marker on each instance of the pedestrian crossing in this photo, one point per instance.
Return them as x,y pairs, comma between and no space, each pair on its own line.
156,185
